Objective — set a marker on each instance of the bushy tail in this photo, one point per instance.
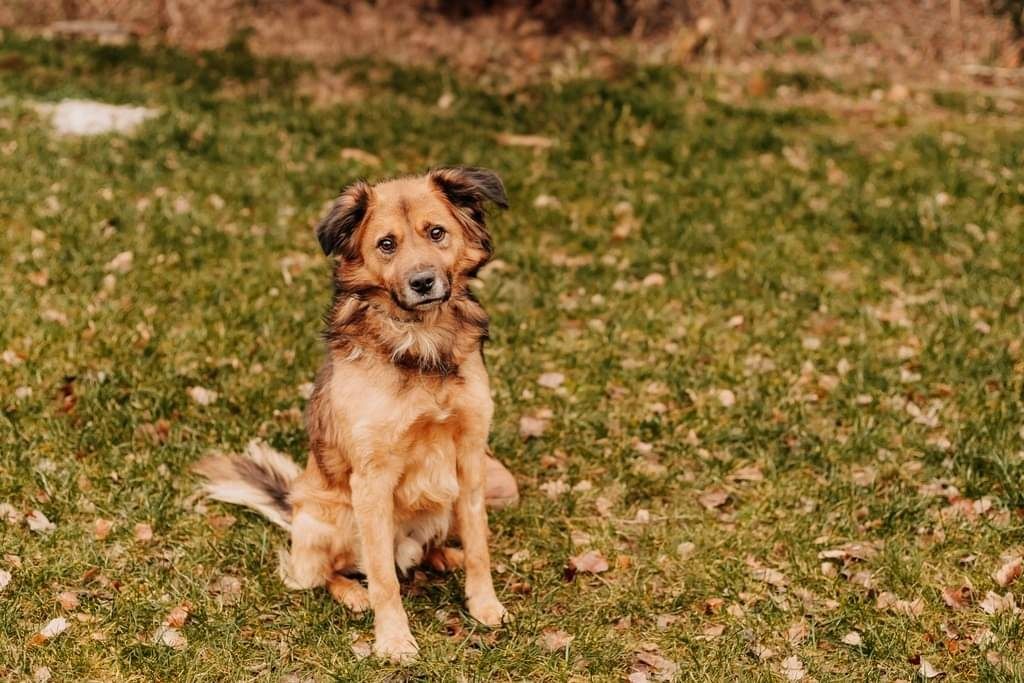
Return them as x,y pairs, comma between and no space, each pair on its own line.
261,479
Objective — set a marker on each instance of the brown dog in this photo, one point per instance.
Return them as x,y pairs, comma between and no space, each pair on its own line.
399,419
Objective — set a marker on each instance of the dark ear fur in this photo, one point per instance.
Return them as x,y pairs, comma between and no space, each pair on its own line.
469,187
344,217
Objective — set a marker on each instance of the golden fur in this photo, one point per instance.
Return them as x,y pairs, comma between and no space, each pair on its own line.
400,414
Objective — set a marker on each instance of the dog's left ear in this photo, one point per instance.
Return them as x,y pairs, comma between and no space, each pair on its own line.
468,187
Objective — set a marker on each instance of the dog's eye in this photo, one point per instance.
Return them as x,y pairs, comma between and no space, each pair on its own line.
437,233
387,245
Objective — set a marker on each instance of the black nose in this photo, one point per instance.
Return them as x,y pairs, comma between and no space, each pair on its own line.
422,283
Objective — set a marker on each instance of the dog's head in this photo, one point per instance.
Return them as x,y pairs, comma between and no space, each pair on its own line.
410,242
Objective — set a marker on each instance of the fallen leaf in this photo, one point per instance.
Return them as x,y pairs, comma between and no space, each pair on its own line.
177,617
650,662
221,522
793,669
864,476
554,640
360,156
121,263
202,396
994,603
750,473
68,600
654,280
957,597
38,522
1009,572
853,639
889,602
928,671
101,528
361,647
515,140
726,397
5,578
143,532
714,498
229,588
591,561
685,550
53,628
712,631
532,426
772,577
554,489
169,636
42,674
798,632
551,380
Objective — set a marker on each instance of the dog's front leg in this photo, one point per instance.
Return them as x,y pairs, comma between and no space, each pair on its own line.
373,505
471,515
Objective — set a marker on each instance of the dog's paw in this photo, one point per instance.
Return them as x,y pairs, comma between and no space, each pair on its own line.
396,645
489,612
444,559
350,593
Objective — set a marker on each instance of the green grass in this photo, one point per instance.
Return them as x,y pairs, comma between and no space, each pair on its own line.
895,254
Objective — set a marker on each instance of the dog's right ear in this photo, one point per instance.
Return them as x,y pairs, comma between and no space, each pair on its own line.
335,230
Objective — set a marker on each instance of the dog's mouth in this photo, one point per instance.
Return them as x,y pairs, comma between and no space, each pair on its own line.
420,305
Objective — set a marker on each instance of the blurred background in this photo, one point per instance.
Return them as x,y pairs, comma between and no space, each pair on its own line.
939,40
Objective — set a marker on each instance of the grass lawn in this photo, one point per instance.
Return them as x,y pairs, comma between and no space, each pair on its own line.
793,396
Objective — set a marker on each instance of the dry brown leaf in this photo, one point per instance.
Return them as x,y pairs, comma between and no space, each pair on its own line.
712,631
649,661
592,562
772,577
38,522
551,380
177,617
52,629
798,632
957,597
532,426
554,489
928,671
121,263
715,498
169,636
890,602
229,588
101,528
726,397
653,280
685,549
515,140
793,669
143,532
750,473
554,640
853,639
995,603
360,156
68,600
5,579
202,395
1009,572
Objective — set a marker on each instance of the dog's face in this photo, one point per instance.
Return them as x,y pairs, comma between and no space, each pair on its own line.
408,243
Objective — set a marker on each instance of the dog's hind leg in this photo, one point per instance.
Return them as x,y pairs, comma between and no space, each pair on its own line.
310,563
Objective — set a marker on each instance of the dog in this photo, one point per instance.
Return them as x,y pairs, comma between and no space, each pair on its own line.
401,409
